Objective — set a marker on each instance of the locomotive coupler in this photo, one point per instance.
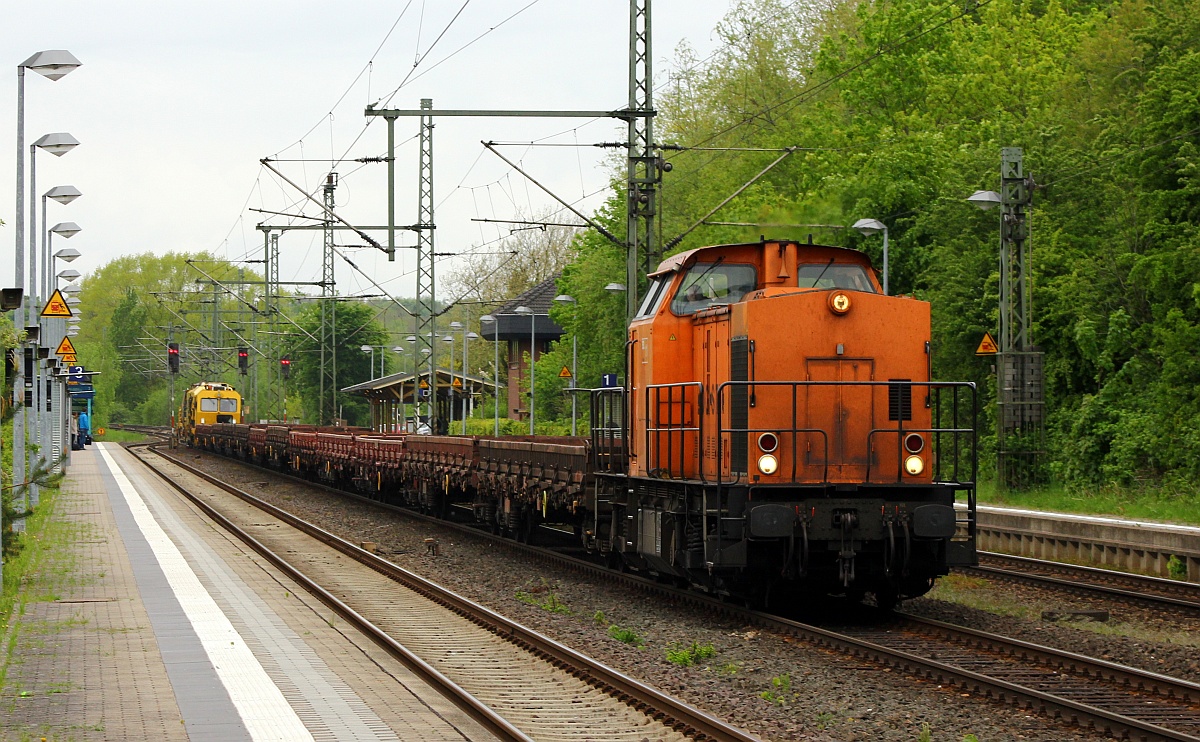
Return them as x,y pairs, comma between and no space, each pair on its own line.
847,521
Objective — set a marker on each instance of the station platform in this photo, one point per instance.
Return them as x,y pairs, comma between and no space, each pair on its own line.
144,621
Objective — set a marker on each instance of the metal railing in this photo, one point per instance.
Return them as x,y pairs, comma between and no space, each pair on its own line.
609,444
955,459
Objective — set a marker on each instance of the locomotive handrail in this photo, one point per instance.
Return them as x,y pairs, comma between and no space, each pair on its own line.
609,442
956,430
654,456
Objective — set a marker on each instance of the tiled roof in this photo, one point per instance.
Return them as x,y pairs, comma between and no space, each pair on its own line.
539,298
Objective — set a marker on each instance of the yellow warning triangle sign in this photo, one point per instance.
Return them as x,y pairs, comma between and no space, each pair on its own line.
987,346
69,358
565,373
65,348
457,383
57,306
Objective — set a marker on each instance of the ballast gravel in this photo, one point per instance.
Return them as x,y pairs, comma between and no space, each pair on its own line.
776,687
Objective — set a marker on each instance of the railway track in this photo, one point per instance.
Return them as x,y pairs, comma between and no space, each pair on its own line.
1090,581
1112,699
519,683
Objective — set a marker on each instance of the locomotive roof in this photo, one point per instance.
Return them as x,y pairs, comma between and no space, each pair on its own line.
677,261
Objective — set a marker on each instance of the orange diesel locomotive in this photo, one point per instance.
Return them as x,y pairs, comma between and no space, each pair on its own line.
780,428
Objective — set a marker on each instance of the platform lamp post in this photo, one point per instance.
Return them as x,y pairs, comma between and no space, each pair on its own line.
489,319
45,407
568,299
370,349
57,144
450,339
60,403
874,226
412,340
66,255
469,400
399,350
52,65
532,356
464,393
51,337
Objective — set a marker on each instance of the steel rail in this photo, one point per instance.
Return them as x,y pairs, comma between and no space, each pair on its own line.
978,683
670,711
1084,580
476,709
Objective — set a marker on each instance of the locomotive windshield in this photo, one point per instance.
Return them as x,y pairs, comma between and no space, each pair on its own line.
834,276
209,404
713,283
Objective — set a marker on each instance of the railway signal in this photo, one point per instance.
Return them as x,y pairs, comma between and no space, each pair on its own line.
243,360
173,357
285,367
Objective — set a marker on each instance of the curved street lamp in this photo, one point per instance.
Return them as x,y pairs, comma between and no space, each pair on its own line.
874,226
985,200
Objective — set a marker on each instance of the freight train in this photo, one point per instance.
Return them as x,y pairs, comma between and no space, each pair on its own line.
778,434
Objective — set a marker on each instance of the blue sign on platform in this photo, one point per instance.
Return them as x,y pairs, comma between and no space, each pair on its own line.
609,380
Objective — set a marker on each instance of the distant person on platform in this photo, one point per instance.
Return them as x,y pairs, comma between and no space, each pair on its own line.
76,443
85,429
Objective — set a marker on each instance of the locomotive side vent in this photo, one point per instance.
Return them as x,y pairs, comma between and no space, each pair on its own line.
739,400
899,400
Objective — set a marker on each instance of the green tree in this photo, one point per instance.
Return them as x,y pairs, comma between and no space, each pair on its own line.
356,325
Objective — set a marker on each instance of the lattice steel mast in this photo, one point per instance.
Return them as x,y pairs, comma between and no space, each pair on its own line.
328,406
1019,363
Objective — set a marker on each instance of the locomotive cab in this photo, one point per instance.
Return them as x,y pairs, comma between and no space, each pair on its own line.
207,403
783,427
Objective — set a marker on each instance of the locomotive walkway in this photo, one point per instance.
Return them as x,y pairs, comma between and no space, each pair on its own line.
151,624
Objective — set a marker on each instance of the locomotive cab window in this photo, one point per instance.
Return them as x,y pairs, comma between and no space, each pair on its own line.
834,276
654,297
713,283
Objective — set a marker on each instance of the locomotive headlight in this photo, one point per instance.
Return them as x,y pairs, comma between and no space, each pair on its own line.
768,464
914,465
839,302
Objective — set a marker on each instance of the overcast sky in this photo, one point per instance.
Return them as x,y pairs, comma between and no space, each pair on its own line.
176,103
